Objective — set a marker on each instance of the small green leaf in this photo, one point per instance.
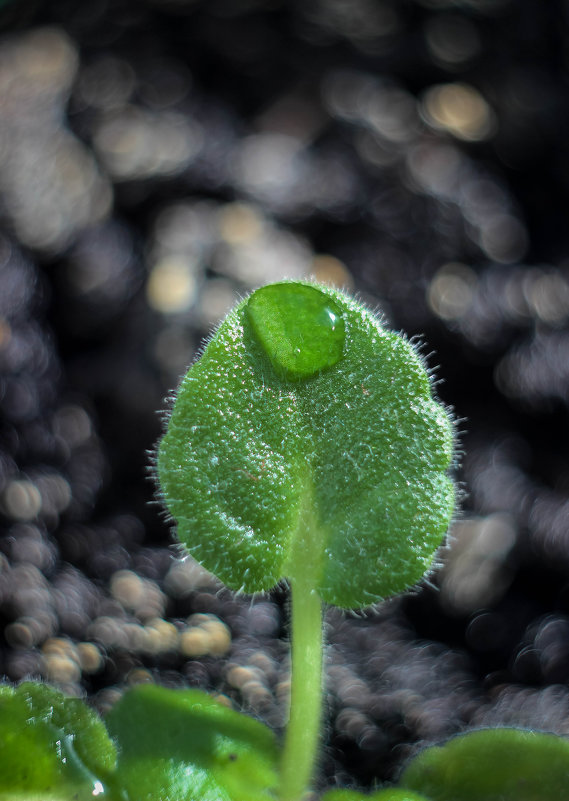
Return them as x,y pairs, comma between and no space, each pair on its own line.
183,745
51,747
305,418
389,794
493,765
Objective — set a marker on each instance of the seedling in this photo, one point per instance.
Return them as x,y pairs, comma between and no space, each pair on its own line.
304,445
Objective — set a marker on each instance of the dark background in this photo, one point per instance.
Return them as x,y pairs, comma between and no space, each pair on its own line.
161,158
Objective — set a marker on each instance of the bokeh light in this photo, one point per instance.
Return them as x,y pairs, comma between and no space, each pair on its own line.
460,110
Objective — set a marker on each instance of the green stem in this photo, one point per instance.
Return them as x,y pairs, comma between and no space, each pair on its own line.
303,732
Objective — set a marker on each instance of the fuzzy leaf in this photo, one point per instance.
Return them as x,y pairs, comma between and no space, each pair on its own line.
388,794
305,417
493,765
183,745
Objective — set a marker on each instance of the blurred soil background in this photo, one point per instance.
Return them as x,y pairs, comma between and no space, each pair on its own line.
161,158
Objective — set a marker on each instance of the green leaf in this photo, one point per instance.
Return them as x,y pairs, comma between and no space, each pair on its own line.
183,745
389,794
51,747
306,418
493,765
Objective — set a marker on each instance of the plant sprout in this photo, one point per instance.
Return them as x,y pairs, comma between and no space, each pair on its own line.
305,444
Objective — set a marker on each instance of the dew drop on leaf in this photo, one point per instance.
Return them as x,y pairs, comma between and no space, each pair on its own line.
299,327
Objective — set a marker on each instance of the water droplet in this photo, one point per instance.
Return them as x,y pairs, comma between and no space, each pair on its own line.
300,328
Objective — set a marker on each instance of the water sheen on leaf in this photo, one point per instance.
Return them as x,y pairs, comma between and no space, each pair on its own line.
346,446
51,747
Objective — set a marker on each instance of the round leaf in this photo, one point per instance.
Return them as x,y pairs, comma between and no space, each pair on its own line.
493,765
183,745
303,419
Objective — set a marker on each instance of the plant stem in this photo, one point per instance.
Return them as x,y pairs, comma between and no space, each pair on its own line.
303,731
